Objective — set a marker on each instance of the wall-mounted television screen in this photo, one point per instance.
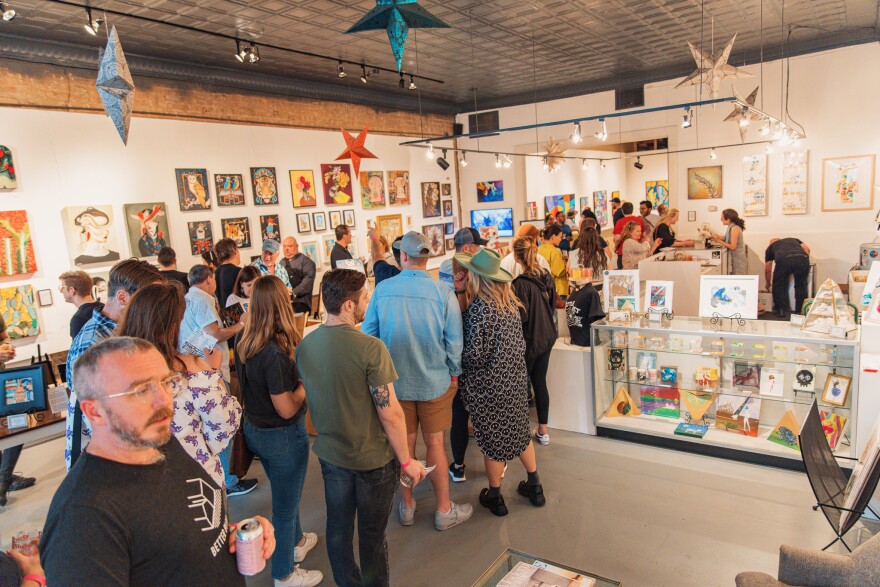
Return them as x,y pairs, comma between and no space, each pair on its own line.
23,389
502,218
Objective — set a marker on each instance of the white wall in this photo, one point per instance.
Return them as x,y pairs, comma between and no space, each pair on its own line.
831,93
66,159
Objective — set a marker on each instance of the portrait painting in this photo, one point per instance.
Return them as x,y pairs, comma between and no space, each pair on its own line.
447,207
147,227
435,235
201,236
431,199
270,227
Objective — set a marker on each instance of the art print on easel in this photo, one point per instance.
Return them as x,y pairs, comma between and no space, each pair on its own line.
265,186
836,389
729,296
192,189
659,298
848,183
621,284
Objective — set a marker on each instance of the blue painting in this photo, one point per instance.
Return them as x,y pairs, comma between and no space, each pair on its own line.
501,218
490,191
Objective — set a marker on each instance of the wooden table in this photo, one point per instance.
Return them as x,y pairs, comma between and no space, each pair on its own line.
41,426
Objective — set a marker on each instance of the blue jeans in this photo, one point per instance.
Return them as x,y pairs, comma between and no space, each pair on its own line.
284,454
225,456
367,495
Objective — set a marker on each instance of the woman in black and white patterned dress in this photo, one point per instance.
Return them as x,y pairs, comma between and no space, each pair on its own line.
494,378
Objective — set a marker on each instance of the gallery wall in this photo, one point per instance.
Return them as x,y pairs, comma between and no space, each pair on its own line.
71,159
830,95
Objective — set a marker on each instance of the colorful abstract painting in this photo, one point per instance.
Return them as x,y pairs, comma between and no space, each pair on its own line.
556,204
755,185
265,184
532,210
833,425
739,414
490,191
19,311
201,237
601,199
302,185
372,189
622,405
90,234
659,401
657,192
786,432
147,227
7,169
431,199
435,235
270,227
229,188
16,245
794,182
192,189
848,183
336,179
704,183
398,188
238,229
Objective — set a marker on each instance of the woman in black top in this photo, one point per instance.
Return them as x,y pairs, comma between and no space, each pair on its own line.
274,425
665,233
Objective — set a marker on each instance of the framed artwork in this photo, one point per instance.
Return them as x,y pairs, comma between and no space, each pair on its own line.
201,236
7,169
44,296
398,188
372,189
659,297
229,189
335,218
237,229
302,185
794,182
336,179
390,226
804,378
772,382
147,226
17,256
747,376
446,190
19,311
833,425
450,228
619,317
90,234
270,227
447,207
24,391
863,472
729,296
738,414
310,250
319,220
329,241
490,191
265,186
623,283
583,203
836,389
616,358
532,210
704,183
627,303
348,218
303,222
192,189
601,211
755,185
848,183
430,199
556,204
450,244
657,192
434,232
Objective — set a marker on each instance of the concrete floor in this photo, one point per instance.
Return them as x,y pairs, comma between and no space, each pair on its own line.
637,514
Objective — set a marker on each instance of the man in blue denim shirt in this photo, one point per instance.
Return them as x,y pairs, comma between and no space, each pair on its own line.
419,320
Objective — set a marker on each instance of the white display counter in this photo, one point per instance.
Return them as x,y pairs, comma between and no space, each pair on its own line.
570,381
684,273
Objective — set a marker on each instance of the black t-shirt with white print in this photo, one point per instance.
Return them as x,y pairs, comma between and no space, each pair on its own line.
115,524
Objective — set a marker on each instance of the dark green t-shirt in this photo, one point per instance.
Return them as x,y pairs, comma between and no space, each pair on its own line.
338,365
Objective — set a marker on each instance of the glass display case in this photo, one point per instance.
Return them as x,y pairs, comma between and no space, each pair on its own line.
727,388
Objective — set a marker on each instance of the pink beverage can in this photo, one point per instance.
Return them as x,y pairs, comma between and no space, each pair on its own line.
249,547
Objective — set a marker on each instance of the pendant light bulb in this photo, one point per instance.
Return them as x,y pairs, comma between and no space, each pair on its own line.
576,137
8,12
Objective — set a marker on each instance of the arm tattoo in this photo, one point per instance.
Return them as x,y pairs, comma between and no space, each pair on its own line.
381,396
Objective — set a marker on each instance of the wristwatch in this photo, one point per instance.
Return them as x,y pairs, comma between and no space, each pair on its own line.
459,292
39,579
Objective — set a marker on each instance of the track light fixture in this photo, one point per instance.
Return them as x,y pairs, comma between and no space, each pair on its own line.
364,73
765,129
545,164
430,152
402,83
638,164
744,119
92,26
712,154
688,118
412,83
602,133
8,13
340,71
246,52
463,159
584,164
442,162
576,133
602,165
506,162
498,162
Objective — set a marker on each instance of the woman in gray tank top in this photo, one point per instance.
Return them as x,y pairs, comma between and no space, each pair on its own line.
733,241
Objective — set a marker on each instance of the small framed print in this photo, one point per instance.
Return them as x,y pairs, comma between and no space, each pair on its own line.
303,222
335,218
668,374
836,389
45,297
348,218
319,221
805,379
619,317
617,359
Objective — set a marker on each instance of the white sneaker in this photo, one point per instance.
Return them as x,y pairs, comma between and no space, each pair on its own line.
544,439
301,578
300,552
407,514
457,514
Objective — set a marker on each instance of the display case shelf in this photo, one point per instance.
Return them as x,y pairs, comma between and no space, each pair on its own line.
708,354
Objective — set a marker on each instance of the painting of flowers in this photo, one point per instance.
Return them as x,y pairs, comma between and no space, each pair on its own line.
336,178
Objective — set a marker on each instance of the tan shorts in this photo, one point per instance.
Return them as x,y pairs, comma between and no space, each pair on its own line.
434,415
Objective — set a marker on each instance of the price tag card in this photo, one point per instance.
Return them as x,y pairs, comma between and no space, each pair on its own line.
837,332
797,319
18,421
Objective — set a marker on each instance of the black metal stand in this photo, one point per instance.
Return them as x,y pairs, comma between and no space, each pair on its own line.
716,318
663,312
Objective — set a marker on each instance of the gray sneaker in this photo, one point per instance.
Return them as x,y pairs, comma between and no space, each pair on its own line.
407,514
457,514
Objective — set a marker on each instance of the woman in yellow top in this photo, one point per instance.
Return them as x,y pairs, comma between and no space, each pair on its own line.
549,249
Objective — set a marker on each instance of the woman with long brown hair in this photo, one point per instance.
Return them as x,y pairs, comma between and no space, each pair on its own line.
733,241
590,251
206,416
274,422
632,247
244,284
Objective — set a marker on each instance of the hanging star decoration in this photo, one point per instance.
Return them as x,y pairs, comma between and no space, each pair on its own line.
355,150
115,86
397,17
741,113
712,69
553,155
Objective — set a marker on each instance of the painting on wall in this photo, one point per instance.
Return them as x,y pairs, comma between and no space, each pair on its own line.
201,236
435,235
556,204
430,199
229,189
794,182
329,241
238,229
657,192
319,220
532,210
336,179
270,227
19,311
303,222
398,188
848,183
100,284
192,189
372,189
17,245
310,250
147,227
447,207
390,226
7,169
265,185
348,218
490,191
302,185
601,199
446,190
755,185
704,183
335,218
91,239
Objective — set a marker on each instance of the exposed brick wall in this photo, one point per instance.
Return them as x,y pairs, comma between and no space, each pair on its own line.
34,85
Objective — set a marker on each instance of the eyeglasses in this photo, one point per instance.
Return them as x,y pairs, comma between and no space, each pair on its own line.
172,385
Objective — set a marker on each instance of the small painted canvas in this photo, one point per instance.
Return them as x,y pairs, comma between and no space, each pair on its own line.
329,240
659,297
833,425
390,226
786,432
100,283
555,204
747,376
446,190
302,186
335,218
16,244
398,188
625,303
706,378
755,185
310,250
704,183
622,405
668,374
147,226
617,359
657,192
372,189
836,389
90,234
265,185
450,244
804,379
270,227
303,222
449,228
319,220
623,283
848,183
237,229
490,191
19,311
602,215
434,232
738,414
532,210
646,360
192,189
692,430
695,404
659,401
583,202
7,169
447,207
794,182
229,189
19,390
772,382
201,237
348,218
336,179
430,199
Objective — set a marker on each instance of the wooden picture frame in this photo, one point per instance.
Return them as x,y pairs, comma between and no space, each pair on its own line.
836,389
839,194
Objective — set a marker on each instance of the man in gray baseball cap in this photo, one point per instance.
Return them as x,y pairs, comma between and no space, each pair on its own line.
467,240
267,263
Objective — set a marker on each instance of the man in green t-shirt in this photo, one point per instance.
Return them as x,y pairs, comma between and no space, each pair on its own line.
361,429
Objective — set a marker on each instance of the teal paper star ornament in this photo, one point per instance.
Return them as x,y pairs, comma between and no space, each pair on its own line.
397,17
115,86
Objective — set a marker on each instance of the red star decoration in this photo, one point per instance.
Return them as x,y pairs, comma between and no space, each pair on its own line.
355,150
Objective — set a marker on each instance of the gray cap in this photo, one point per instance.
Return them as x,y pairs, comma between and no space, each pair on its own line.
271,245
414,244
469,236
